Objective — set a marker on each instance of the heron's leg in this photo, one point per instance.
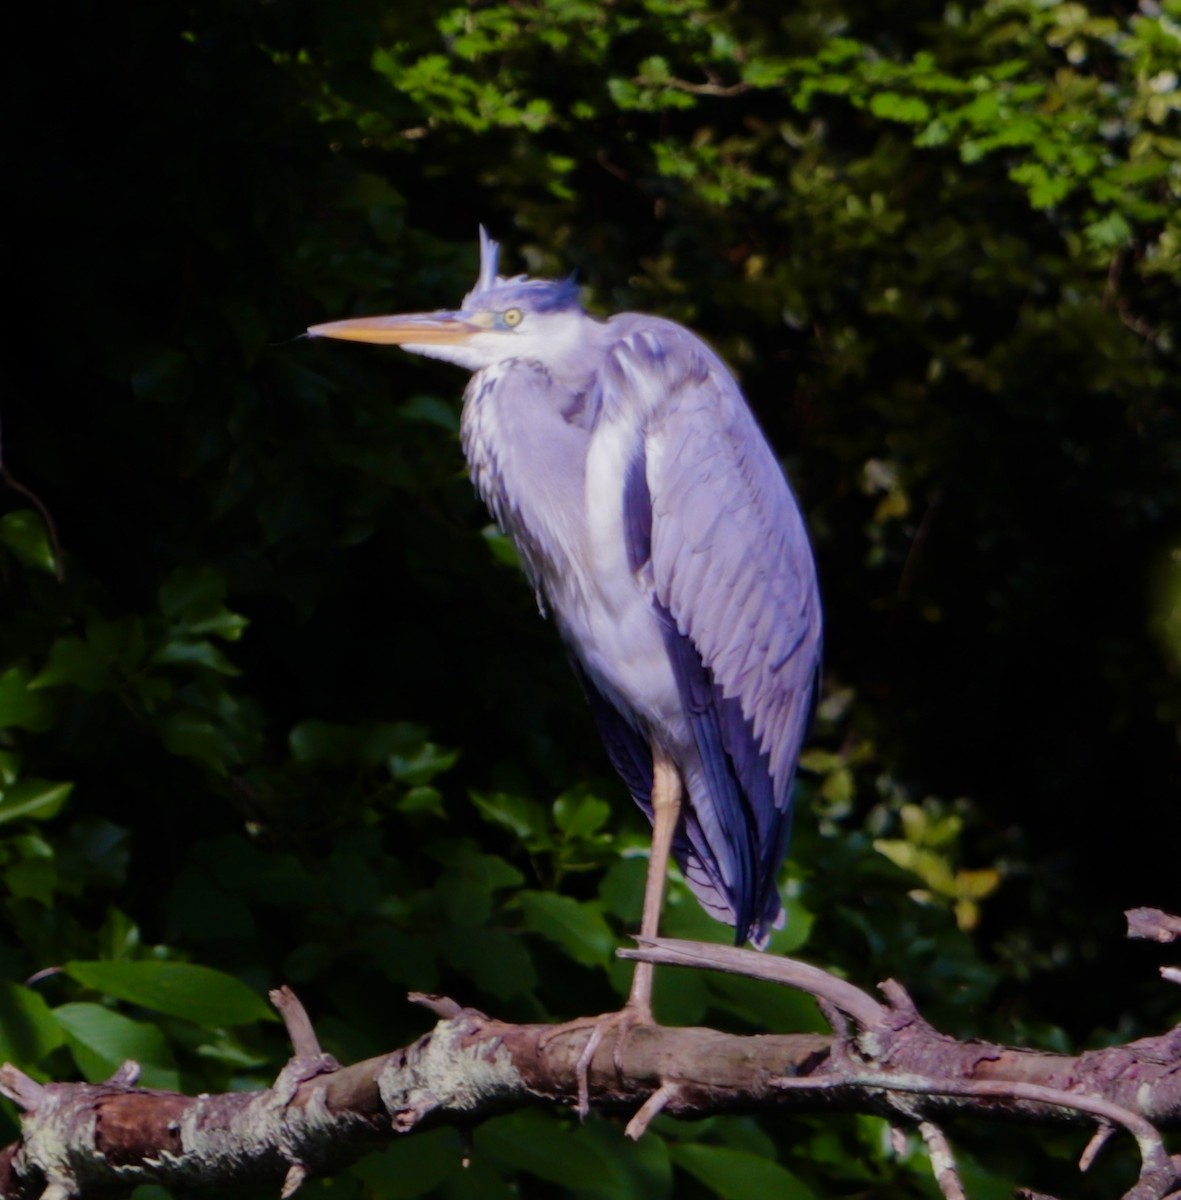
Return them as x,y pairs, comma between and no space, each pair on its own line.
666,811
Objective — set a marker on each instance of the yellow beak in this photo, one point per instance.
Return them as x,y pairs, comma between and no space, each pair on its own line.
416,329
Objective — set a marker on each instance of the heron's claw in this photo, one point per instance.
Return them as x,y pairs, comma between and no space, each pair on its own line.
622,1022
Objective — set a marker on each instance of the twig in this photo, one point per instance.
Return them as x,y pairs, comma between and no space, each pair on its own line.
1155,1162
26,1093
442,1006
651,1109
1099,1139
299,1025
861,1006
942,1161
699,89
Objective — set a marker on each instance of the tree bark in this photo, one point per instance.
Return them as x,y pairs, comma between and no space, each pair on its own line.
84,1140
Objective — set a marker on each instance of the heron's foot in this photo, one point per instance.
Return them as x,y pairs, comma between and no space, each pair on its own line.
619,1023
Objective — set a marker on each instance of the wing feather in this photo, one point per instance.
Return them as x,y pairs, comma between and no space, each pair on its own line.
730,555
732,567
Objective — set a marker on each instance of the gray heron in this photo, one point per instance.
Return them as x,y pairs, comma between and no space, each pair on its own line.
660,532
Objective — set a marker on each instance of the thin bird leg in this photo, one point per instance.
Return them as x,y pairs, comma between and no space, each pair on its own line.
666,811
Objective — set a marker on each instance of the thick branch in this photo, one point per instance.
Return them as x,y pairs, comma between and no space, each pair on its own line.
86,1139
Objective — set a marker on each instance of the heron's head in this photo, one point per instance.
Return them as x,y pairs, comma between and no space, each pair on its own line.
500,319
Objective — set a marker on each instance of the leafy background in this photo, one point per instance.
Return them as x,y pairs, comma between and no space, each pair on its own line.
275,705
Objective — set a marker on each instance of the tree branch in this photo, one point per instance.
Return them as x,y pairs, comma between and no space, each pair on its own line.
883,1058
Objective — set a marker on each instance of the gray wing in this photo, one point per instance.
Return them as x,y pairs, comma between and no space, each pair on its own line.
710,510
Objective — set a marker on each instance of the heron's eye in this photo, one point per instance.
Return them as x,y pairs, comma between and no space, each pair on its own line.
512,317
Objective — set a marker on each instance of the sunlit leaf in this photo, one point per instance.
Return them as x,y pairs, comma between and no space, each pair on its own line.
101,1040
187,990
894,107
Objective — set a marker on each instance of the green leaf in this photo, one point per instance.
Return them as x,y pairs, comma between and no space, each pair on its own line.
937,133
10,768
118,936
497,961
368,742
28,1031
736,1175
502,546
431,411
467,885
412,1166
764,73
1109,233
183,652
423,800
892,106
578,928
191,590
487,870
32,879
639,1170
423,765
190,734
191,598
622,888
74,661
797,928
410,962
579,815
20,705
101,1040
765,1009
186,990
33,799
1045,189
654,69
538,1143
518,814
24,533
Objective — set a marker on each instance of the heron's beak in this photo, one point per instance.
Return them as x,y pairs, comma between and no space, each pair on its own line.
415,329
